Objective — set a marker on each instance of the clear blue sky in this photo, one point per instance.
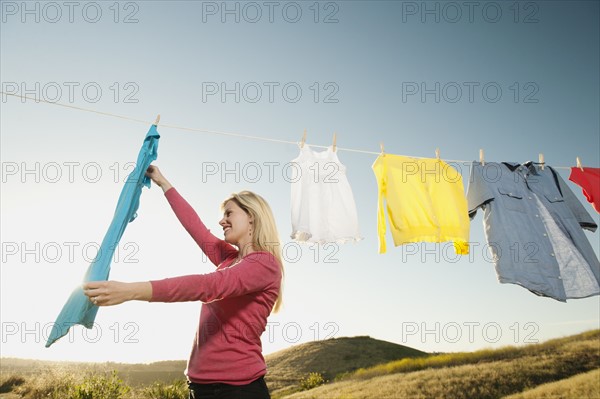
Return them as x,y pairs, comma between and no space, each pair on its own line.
513,78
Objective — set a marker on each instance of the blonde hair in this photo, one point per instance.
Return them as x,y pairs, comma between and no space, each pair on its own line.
265,236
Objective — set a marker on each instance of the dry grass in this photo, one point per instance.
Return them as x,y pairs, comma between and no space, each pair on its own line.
461,358
68,384
526,368
135,375
585,385
47,384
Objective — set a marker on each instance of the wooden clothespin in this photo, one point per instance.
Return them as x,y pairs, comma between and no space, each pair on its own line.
157,120
579,164
541,159
437,153
481,160
381,146
334,140
303,139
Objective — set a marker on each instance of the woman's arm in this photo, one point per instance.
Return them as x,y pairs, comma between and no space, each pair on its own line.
107,293
216,249
256,272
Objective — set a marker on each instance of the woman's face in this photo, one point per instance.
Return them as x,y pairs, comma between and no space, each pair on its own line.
236,224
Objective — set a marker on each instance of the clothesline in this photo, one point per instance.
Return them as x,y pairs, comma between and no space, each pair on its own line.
239,135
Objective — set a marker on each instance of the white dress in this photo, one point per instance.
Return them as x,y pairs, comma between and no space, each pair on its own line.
323,207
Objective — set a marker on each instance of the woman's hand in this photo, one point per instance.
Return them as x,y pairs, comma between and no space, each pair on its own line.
108,293
154,173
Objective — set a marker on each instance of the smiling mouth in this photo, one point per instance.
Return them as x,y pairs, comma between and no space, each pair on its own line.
226,229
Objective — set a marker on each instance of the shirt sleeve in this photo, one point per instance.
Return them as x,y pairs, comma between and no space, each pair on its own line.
582,216
216,249
478,191
589,182
256,272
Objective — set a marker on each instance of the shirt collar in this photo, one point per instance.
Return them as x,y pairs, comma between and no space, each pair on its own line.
512,165
530,165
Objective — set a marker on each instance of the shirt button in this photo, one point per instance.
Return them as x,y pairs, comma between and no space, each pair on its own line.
530,198
559,277
537,216
545,235
552,254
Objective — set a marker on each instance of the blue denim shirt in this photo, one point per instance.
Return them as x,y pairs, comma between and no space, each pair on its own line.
516,234
79,309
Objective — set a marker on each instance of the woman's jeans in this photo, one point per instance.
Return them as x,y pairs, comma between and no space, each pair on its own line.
255,390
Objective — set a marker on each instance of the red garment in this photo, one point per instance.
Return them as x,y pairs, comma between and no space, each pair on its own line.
589,181
237,301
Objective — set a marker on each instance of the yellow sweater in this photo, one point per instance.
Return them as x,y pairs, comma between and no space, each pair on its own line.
425,201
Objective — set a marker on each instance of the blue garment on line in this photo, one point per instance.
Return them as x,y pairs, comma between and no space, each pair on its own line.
79,309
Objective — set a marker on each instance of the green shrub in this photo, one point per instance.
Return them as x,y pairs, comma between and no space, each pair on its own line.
95,386
312,380
343,376
9,382
176,390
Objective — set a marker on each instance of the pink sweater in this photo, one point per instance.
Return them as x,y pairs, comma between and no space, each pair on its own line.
236,303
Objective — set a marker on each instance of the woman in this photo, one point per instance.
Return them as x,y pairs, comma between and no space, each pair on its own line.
226,359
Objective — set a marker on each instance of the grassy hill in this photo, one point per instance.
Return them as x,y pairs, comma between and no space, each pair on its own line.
487,374
356,368
330,358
